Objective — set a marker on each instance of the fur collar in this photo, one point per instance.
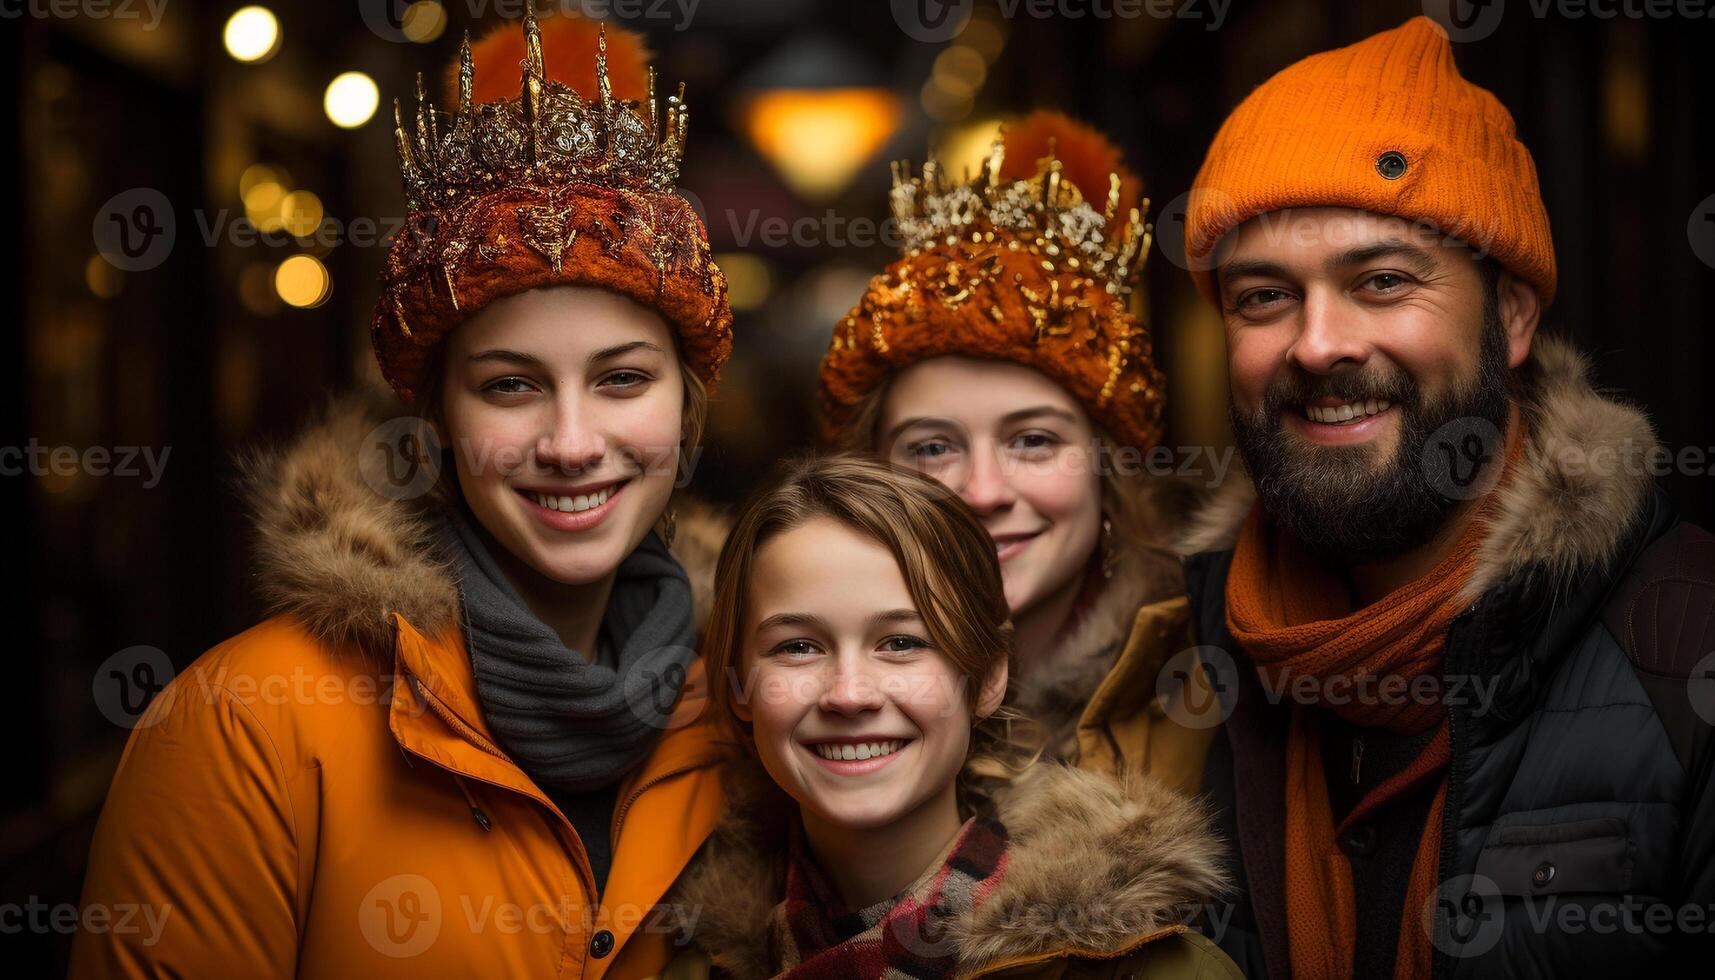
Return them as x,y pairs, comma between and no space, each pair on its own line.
1092,867
1563,511
341,558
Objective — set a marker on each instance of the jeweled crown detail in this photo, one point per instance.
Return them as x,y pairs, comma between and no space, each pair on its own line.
549,134
1044,214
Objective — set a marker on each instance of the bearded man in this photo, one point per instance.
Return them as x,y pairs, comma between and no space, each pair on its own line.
1461,641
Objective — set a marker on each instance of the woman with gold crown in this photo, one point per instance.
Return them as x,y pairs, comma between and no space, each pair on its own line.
470,742
1000,356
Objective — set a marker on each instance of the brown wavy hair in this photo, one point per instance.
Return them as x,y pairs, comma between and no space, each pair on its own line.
943,552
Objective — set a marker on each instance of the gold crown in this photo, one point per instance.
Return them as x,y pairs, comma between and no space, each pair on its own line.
548,134
1044,214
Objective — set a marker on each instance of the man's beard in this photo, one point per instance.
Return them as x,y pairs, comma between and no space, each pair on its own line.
1339,502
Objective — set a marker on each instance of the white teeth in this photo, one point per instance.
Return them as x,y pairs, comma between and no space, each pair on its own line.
572,505
857,751
1334,415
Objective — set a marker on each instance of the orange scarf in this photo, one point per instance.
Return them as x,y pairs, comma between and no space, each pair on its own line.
1293,617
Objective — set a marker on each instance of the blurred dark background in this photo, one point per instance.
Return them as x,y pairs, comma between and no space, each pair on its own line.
229,328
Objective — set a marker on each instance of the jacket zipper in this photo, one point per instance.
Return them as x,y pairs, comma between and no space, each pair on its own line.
586,874
1450,806
625,807
453,721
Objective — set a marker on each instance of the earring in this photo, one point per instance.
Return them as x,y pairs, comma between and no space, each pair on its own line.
1109,556
669,527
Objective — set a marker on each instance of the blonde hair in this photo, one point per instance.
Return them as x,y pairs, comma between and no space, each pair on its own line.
943,552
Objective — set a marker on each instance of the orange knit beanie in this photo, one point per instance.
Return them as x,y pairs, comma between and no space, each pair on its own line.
1386,125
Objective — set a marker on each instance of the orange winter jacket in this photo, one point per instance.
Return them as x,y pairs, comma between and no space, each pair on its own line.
319,796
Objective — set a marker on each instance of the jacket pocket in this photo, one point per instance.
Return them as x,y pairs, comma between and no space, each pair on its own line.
1533,854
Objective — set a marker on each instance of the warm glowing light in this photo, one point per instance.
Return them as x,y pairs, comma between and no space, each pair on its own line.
965,148
985,35
351,99
960,70
302,281
944,106
261,173
252,34
300,213
262,204
748,280
102,278
818,139
423,21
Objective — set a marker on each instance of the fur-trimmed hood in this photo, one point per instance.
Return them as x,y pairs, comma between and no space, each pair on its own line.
1563,511
1094,867
341,557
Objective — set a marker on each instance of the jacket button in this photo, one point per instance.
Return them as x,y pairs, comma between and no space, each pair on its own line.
1360,842
1544,874
1391,165
602,944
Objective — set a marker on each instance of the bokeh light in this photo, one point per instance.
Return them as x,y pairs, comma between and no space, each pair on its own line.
424,21
303,281
351,99
300,213
749,281
102,277
252,34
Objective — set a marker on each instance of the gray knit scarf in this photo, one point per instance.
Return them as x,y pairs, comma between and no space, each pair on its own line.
573,725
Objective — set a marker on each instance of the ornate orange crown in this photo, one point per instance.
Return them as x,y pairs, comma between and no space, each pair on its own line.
549,134
1044,214
548,188
1022,268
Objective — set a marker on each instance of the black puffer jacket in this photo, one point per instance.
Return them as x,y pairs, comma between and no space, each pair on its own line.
1579,830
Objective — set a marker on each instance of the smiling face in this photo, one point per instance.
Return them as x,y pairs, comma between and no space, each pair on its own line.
563,407
1352,340
1018,449
854,712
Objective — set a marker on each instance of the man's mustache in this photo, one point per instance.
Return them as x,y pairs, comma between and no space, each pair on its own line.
1297,388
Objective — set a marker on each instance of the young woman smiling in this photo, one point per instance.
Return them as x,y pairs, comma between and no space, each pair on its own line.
999,355
470,743
860,634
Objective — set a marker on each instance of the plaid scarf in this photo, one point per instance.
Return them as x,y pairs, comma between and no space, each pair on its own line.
813,935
